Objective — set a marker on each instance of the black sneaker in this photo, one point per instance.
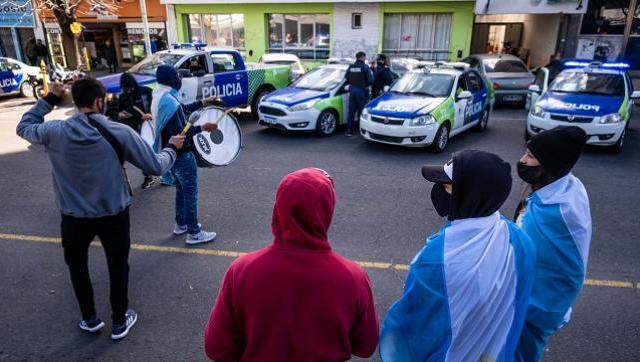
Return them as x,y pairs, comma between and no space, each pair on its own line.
91,325
121,331
148,182
348,134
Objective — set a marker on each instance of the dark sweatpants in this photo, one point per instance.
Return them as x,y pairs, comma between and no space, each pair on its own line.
113,231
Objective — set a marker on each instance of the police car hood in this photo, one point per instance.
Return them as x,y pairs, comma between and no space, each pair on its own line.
291,96
592,105
112,82
403,105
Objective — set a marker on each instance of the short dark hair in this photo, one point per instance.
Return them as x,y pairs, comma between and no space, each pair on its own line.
360,55
86,91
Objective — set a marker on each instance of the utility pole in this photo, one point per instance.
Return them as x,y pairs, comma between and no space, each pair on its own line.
145,26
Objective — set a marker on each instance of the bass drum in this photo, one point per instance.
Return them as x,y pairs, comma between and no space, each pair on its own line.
147,132
220,147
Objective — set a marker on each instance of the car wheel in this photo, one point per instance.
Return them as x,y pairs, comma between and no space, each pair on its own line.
256,101
326,123
26,90
441,139
484,120
617,147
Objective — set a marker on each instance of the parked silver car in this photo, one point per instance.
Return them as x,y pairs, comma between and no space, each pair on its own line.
510,76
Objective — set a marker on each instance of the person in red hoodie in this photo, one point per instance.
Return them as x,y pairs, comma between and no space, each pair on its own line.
296,300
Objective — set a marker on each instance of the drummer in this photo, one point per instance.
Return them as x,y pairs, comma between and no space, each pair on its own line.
134,107
171,120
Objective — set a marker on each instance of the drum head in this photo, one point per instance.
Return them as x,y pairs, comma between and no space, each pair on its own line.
222,146
147,133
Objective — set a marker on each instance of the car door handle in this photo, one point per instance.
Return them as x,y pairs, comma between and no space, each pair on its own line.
238,76
484,95
207,82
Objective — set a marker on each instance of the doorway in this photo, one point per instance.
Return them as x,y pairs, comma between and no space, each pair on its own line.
491,38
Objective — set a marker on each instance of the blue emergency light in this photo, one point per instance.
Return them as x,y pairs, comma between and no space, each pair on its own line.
196,46
596,64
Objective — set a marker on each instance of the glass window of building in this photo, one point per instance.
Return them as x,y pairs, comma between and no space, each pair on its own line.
221,30
305,35
605,17
425,36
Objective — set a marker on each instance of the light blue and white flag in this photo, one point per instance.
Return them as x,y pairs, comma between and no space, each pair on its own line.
465,297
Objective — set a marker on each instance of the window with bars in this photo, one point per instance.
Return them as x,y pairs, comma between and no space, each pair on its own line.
305,35
423,36
221,30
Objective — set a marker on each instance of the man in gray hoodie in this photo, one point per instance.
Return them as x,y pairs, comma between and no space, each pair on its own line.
91,189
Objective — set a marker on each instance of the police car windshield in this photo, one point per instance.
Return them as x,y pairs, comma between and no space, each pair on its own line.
607,84
150,64
321,79
497,65
427,84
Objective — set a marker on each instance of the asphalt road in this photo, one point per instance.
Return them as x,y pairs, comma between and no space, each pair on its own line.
383,216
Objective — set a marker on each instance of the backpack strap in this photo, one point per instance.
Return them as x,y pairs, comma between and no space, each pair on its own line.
109,137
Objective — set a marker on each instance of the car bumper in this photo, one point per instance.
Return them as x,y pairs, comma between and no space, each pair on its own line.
398,135
289,121
511,95
603,134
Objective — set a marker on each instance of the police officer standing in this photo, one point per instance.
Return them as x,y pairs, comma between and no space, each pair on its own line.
359,78
382,76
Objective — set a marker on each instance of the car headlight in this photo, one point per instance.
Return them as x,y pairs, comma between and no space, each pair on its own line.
422,121
303,106
538,111
365,115
611,118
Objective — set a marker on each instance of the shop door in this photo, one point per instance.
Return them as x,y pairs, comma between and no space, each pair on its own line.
513,34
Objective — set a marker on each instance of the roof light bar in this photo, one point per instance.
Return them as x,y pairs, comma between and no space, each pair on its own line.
197,46
597,64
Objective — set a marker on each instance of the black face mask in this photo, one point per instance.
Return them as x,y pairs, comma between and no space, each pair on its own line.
533,175
441,200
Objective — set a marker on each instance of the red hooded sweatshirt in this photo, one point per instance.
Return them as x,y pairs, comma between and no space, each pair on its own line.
295,300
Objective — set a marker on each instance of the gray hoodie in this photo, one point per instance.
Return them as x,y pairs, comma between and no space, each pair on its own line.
88,180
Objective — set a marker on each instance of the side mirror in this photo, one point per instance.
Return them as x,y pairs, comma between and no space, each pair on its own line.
465,95
386,88
635,95
534,88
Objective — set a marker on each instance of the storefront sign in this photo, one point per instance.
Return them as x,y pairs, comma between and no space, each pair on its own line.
602,48
16,14
484,7
155,28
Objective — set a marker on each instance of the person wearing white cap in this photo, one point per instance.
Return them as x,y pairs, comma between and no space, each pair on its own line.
467,290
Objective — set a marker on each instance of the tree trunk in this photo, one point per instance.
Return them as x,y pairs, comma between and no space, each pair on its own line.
69,41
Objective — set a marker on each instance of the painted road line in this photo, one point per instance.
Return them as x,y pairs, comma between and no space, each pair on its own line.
235,254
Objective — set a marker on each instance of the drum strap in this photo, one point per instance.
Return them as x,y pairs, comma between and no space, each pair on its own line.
116,147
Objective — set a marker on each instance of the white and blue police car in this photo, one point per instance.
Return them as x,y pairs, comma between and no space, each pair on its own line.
428,105
597,97
14,77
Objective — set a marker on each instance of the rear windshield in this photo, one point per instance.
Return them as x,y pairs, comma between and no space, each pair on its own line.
589,83
504,66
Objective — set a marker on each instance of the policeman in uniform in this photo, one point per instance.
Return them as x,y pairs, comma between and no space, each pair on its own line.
359,78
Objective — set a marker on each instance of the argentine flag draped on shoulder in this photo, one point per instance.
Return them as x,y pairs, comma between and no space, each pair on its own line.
467,290
557,218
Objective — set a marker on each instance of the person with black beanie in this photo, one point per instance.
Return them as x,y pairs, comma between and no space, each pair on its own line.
467,289
557,217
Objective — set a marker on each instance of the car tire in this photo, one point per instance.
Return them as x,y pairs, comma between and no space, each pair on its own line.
484,121
256,100
441,140
327,123
26,90
617,147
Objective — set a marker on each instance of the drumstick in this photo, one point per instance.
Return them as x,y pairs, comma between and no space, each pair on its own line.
222,116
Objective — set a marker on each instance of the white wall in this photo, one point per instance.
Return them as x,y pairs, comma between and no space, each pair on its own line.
347,41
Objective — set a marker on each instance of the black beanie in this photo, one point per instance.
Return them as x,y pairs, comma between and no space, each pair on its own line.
558,149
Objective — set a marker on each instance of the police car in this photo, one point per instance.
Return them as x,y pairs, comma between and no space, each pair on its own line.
208,72
317,101
597,97
14,77
429,105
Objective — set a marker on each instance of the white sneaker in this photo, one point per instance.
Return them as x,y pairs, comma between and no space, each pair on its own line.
201,237
182,229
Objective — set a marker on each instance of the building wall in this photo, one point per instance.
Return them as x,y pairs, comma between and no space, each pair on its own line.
344,39
347,41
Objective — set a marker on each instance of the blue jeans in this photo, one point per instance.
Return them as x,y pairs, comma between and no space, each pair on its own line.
185,171
357,101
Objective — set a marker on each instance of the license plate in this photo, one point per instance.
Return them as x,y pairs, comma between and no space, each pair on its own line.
270,120
514,97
